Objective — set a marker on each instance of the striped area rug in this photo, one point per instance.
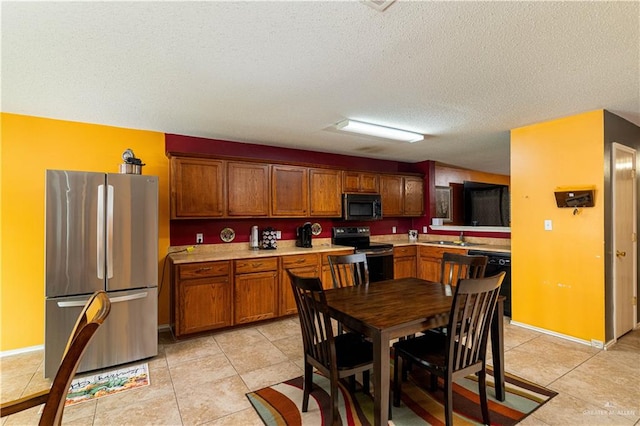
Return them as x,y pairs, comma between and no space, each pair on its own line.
281,404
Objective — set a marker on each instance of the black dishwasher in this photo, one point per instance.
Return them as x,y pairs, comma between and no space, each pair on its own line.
498,262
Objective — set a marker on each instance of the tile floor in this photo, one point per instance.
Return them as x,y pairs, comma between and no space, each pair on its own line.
204,380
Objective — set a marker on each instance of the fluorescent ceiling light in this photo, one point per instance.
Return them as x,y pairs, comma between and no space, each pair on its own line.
378,131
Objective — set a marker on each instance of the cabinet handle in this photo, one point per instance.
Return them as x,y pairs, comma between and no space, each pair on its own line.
255,265
620,253
203,269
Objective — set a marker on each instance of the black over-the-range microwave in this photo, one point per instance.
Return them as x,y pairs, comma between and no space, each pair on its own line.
361,207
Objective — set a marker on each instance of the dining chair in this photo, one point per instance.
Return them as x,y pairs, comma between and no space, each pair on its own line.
460,352
336,357
349,270
91,317
455,266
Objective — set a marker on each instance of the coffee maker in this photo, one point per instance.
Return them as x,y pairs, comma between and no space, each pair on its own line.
303,235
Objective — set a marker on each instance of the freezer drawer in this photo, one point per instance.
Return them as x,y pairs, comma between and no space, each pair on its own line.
129,333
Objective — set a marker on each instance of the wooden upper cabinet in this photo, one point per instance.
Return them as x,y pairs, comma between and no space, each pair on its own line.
413,196
247,189
197,188
289,191
325,190
360,182
392,194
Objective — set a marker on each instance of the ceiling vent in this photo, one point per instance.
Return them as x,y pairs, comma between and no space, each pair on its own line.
378,5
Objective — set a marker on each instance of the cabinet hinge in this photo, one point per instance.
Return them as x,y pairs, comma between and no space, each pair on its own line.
633,173
635,300
634,237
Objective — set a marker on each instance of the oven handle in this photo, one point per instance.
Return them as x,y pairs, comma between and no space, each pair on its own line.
381,253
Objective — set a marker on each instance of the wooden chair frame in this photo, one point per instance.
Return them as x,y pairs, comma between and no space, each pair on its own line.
92,316
455,267
460,352
320,345
349,270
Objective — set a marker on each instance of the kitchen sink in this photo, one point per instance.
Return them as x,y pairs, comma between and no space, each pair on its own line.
455,243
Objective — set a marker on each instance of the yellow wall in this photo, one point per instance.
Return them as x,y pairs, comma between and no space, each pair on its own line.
31,145
558,276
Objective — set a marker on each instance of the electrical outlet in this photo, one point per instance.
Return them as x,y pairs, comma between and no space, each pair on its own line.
424,229
278,235
199,238
548,225
393,229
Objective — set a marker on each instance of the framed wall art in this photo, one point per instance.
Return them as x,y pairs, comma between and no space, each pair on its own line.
443,203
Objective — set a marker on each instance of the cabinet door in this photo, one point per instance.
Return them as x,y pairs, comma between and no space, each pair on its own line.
325,190
413,196
256,296
204,304
359,182
306,265
247,189
391,192
197,187
404,267
289,191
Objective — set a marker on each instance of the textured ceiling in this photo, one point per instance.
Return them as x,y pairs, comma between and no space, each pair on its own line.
282,73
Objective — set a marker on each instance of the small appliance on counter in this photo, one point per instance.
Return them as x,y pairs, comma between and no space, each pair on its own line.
303,235
269,241
254,244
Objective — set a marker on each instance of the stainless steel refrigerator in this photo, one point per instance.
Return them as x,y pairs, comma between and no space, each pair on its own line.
101,234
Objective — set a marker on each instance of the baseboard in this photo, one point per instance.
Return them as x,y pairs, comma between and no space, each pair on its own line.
21,351
163,327
555,334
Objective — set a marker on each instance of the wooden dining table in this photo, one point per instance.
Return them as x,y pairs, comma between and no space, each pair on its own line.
396,308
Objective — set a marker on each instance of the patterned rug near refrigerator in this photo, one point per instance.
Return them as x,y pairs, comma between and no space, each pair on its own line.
281,404
105,383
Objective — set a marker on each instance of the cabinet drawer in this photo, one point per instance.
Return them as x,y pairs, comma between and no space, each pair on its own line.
436,252
204,269
246,266
299,260
404,251
325,256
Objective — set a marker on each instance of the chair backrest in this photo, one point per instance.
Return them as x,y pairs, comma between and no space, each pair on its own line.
317,331
470,320
349,270
93,314
455,267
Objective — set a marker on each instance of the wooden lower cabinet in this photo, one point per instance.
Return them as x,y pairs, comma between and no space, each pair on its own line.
255,290
404,262
304,265
430,259
202,297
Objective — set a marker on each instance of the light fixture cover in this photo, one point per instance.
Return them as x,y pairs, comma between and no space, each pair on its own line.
378,131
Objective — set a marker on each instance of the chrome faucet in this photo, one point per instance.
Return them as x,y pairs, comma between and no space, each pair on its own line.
462,236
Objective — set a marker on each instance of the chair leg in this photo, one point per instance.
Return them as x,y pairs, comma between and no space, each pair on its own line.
482,388
333,405
365,382
352,383
434,381
308,384
448,401
397,387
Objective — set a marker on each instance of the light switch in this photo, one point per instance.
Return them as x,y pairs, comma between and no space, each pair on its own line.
548,225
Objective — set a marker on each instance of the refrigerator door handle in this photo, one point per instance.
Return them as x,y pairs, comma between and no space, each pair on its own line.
109,231
129,297
100,231
117,299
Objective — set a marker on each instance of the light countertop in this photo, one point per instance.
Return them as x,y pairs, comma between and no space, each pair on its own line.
231,251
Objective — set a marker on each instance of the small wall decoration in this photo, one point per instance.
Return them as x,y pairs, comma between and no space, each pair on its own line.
443,203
